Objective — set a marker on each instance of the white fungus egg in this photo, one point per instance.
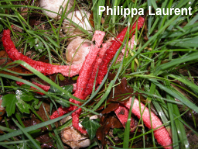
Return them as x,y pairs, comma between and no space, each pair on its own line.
81,18
57,6
77,50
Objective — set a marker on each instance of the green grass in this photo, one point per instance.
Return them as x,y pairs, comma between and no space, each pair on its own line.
152,67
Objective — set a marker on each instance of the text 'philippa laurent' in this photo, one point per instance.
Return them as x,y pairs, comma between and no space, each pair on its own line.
119,10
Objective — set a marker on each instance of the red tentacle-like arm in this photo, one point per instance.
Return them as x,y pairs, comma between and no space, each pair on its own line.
111,51
44,68
44,87
153,122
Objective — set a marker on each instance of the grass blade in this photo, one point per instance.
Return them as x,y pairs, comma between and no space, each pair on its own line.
27,135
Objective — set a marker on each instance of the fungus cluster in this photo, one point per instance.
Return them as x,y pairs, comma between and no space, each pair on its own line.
91,62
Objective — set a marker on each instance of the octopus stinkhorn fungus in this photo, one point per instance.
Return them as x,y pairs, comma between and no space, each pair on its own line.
97,60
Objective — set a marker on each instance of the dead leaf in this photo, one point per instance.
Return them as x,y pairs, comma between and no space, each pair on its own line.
107,123
5,60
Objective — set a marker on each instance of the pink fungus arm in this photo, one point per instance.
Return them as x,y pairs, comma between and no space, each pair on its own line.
161,134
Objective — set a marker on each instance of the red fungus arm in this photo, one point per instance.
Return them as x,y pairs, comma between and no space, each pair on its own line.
114,47
161,134
44,68
99,58
122,114
44,87
60,112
